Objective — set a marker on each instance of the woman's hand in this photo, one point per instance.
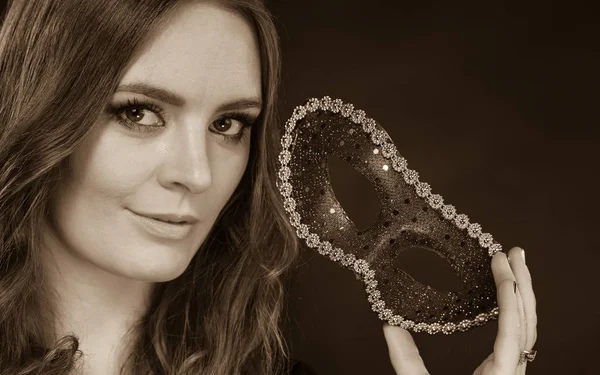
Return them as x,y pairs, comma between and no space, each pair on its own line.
517,324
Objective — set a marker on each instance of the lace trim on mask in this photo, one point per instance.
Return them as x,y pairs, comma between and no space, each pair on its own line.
360,266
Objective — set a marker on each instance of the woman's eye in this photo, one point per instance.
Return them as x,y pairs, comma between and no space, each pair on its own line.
141,116
226,125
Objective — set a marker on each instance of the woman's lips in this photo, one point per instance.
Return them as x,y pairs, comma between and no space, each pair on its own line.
163,229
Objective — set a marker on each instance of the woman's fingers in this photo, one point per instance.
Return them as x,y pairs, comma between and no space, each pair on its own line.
524,285
404,354
523,324
506,346
517,323
487,363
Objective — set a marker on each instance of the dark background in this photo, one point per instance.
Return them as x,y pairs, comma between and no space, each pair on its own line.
495,105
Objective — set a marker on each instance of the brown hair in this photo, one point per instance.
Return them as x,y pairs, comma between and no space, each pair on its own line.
221,316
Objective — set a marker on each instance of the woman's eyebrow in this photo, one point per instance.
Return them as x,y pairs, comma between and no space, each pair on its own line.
241,104
158,93
172,98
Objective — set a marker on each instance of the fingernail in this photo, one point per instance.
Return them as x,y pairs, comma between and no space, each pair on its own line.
523,254
515,287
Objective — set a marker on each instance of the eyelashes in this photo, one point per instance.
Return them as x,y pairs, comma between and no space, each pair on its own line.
144,116
136,107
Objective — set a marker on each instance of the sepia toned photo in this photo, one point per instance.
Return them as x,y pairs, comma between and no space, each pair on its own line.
316,187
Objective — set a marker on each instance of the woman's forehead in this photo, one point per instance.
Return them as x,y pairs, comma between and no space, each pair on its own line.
203,52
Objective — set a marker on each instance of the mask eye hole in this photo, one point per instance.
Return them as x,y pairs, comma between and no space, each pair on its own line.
355,193
428,268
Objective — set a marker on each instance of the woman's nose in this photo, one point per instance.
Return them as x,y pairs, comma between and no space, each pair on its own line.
187,164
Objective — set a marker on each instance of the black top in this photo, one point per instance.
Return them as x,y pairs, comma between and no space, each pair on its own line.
301,368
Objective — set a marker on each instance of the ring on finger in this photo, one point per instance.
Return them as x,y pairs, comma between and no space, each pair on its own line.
527,356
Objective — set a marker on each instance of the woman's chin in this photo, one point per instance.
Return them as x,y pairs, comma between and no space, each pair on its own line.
155,268
156,274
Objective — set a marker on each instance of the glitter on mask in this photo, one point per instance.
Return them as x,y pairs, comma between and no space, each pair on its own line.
404,223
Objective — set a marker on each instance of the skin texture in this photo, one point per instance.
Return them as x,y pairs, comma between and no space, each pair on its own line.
517,323
102,262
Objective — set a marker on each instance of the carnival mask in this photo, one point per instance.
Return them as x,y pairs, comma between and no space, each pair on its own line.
411,217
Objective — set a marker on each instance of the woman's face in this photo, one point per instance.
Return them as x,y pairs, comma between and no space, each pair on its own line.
173,145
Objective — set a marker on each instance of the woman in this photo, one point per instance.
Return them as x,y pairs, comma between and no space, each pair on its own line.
140,224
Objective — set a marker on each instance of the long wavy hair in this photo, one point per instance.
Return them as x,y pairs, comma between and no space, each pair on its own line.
60,61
